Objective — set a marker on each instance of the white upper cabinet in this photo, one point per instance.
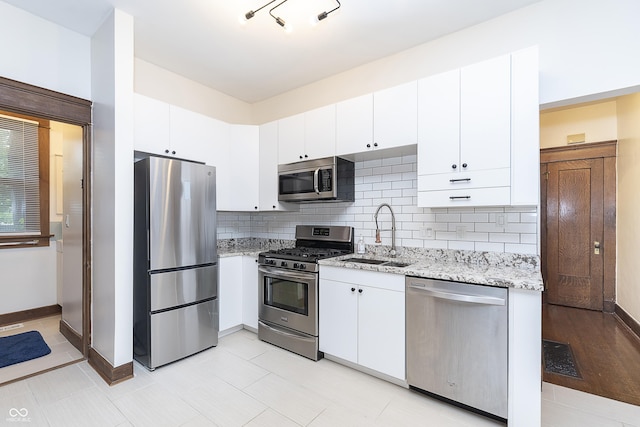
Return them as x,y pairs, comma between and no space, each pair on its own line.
238,177
291,139
354,125
395,116
151,125
198,137
439,123
307,136
525,128
268,170
472,124
376,121
485,115
320,132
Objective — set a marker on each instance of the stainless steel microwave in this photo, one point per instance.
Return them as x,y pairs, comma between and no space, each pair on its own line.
330,179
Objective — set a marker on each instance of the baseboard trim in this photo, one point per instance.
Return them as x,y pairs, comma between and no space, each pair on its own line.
71,335
109,374
31,314
628,320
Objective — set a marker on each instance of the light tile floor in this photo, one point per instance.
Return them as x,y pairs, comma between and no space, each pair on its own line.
245,382
62,351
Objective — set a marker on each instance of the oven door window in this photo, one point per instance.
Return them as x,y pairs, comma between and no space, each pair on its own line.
287,295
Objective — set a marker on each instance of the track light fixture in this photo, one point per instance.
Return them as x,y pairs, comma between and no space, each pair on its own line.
315,19
323,15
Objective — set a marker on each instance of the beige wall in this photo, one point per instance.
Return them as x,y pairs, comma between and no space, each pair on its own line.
163,85
628,227
597,121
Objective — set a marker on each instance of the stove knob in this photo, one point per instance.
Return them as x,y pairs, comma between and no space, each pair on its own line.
283,264
296,265
303,267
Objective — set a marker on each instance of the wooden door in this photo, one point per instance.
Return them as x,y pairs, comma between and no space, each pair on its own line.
575,231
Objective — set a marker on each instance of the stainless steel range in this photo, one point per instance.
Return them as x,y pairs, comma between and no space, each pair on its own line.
288,287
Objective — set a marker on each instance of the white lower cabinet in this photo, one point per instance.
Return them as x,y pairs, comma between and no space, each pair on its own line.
362,318
230,292
238,292
250,291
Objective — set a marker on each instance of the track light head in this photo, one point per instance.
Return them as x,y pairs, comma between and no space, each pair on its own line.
249,15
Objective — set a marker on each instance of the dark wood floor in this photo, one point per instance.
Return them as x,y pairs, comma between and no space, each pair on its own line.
606,351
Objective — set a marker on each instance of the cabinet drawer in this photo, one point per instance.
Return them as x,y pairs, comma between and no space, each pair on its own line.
375,279
462,180
493,196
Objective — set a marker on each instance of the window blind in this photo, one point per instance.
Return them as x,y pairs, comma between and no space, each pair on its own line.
19,177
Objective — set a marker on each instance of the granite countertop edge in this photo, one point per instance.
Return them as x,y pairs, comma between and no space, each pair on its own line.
523,277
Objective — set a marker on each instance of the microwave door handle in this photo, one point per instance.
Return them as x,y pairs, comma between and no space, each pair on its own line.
315,180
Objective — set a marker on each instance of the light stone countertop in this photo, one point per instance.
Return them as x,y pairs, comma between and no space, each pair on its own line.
516,271
250,246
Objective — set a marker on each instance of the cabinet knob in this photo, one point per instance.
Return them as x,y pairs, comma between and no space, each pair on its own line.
305,156
173,152
301,157
464,165
454,166
255,207
368,145
375,144
274,206
166,151
353,289
359,291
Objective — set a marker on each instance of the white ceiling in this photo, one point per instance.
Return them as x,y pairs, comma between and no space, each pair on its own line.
203,40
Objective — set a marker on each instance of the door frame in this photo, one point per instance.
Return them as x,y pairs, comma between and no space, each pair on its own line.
606,150
23,98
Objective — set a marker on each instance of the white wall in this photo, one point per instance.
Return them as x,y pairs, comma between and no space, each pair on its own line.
586,47
628,227
28,278
112,88
43,54
163,85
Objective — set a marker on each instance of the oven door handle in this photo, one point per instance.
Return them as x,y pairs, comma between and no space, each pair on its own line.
316,183
288,274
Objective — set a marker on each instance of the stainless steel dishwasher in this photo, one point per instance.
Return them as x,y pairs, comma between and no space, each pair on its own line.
457,343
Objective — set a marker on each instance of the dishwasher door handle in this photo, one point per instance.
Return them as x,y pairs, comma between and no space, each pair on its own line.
473,299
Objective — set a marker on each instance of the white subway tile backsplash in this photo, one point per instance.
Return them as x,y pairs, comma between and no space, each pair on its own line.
394,181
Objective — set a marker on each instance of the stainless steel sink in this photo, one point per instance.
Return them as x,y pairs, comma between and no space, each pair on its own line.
365,261
377,262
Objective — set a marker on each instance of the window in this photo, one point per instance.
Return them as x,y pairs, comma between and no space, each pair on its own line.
24,183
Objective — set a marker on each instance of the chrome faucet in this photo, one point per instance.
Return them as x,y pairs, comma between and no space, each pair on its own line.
393,228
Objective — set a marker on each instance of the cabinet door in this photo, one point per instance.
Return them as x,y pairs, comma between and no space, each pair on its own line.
381,337
320,132
151,125
239,184
291,139
485,114
268,170
354,125
439,123
230,292
338,316
250,291
395,116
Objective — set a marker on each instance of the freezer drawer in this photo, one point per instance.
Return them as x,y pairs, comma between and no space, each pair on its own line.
174,288
182,332
457,342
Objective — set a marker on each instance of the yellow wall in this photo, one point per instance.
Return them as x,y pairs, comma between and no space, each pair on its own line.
628,227
597,121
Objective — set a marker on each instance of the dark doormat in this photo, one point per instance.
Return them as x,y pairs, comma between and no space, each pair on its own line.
558,359
22,347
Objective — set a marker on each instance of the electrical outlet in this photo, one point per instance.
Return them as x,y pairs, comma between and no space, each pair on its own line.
426,232
460,231
501,220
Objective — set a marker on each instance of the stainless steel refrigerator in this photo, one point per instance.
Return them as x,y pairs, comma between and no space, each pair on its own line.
175,260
